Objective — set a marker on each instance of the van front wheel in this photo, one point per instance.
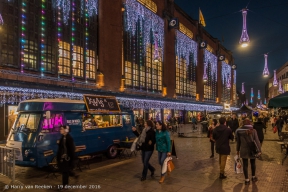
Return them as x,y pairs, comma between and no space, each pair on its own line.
112,152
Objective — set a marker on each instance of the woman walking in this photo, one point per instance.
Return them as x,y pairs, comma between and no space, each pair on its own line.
246,135
259,126
146,141
163,145
210,136
66,155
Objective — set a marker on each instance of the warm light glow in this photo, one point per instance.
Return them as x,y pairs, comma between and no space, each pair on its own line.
244,45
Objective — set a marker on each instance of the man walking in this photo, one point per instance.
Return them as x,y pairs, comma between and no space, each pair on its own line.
221,135
234,123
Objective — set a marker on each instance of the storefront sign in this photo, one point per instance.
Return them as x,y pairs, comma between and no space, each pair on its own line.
98,103
74,122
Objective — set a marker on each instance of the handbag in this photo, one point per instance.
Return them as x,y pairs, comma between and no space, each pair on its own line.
170,166
275,129
133,146
254,151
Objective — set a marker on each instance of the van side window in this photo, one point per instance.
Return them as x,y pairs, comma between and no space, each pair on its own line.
91,121
53,124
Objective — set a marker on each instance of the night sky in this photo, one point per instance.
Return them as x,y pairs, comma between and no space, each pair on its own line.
267,25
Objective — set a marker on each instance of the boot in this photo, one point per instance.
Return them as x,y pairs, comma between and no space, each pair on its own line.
222,176
162,179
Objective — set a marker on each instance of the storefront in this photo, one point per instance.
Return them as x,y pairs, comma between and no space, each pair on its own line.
190,115
179,115
155,114
167,115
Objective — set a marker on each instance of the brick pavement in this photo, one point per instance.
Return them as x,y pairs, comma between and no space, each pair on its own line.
194,171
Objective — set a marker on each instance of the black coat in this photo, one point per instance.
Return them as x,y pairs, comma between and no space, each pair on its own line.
221,135
150,140
259,126
63,164
234,124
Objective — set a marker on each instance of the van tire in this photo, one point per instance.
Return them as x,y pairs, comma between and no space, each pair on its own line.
112,151
54,160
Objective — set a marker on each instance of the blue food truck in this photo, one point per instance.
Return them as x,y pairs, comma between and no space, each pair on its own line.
94,122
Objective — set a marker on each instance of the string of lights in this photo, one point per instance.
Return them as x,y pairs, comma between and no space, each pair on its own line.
13,95
64,6
23,32
185,46
73,39
211,59
43,29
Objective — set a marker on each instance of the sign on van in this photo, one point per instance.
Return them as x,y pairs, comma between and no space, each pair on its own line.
99,103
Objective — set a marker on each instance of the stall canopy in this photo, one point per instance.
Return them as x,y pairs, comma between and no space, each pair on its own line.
279,101
244,109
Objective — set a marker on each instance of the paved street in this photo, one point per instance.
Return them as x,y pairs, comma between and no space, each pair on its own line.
194,171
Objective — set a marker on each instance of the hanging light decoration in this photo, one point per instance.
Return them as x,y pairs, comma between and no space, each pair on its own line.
259,94
228,83
280,90
156,51
243,90
1,20
266,71
205,77
251,100
265,101
275,83
244,39
261,102
252,93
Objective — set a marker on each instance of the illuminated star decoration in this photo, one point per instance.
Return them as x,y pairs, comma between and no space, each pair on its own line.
137,15
266,70
244,39
275,83
1,20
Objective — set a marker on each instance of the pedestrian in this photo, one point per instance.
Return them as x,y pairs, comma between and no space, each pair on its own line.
279,124
210,135
234,123
259,126
66,156
222,134
163,145
146,141
246,135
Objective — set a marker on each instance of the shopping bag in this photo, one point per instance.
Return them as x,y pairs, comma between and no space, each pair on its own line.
275,129
133,146
165,165
238,164
170,166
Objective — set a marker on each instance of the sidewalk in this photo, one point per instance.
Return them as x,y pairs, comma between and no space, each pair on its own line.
194,172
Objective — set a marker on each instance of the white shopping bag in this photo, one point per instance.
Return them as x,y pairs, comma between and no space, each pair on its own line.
164,167
133,146
238,167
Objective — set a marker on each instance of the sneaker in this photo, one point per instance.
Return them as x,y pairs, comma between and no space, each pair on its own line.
247,182
254,179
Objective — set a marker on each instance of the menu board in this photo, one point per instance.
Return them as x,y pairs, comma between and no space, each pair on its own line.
99,103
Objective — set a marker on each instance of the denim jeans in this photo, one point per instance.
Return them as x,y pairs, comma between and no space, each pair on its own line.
161,158
146,155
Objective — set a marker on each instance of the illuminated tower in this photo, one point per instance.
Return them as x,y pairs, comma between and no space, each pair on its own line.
266,71
244,39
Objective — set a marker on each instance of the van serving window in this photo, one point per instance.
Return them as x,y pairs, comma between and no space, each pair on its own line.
53,124
91,121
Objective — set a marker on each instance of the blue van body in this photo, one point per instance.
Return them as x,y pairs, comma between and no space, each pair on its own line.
32,143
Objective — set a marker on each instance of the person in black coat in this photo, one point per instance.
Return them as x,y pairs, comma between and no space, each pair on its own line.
66,155
222,134
234,123
259,126
146,141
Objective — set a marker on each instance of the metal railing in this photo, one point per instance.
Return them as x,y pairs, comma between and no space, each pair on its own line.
7,162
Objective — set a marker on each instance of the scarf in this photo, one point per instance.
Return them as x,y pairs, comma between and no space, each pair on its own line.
142,136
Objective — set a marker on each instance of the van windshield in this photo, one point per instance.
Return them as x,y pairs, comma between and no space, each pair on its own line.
27,122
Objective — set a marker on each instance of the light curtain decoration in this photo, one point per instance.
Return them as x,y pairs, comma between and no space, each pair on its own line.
149,23
185,46
211,59
1,20
13,95
226,75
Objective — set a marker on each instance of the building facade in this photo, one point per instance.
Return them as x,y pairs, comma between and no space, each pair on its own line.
279,84
126,48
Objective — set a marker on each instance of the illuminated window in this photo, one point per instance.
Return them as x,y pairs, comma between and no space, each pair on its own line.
78,63
185,30
90,65
30,54
149,4
64,58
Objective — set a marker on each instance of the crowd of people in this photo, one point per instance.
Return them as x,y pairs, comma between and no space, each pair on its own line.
249,135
